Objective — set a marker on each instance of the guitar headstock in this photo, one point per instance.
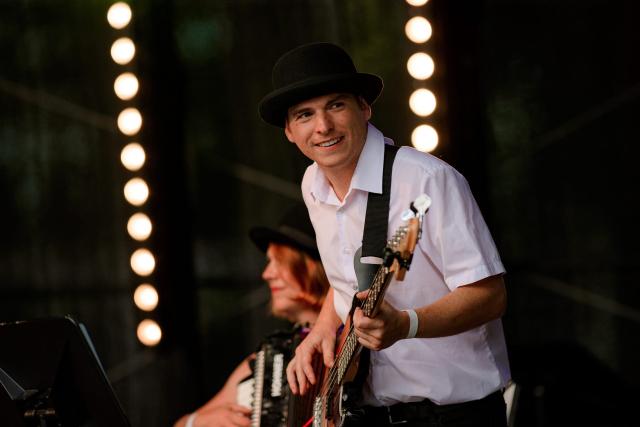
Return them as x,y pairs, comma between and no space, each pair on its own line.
400,247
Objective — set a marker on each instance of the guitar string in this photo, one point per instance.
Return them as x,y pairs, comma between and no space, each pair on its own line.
382,279
334,373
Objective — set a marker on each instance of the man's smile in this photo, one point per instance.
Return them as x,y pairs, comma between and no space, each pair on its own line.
330,142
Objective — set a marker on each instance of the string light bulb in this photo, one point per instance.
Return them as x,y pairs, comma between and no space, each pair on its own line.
420,66
123,50
424,138
143,262
126,86
136,191
422,102
139,226
119,15
130,121
417,3
418,29
133,156
149,332
146,297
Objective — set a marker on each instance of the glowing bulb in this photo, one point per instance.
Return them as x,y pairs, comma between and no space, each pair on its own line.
129,121
417,2
123,50
136,191
424,138
139,226
146,297
132,156
149,332
422,102
126,86
119,15
420,66
418,29
142,262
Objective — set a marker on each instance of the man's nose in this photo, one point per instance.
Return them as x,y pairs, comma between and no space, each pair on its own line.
324,123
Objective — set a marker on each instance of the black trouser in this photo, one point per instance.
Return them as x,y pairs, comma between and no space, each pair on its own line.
486,412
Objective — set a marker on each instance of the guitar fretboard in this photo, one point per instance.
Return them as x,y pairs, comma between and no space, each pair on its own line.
351,345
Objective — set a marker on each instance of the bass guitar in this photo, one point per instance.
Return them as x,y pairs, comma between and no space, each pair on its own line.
329,409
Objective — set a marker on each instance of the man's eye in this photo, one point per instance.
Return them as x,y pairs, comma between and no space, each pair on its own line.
303,115
336,105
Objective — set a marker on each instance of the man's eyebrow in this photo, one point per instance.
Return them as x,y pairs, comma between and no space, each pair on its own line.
295,111
338,97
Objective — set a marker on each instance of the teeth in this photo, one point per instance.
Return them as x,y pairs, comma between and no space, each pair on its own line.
329,143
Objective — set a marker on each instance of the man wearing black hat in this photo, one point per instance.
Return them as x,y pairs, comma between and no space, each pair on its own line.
439,350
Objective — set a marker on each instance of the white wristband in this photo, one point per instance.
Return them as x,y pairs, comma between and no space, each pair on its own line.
190,420
413,323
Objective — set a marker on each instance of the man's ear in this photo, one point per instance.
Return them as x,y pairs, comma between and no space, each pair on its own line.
367,111
365,107
287,131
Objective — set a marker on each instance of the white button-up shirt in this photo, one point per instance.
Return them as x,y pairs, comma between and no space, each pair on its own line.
455,249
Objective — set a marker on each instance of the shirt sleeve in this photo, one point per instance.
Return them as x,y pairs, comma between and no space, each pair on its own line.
455,235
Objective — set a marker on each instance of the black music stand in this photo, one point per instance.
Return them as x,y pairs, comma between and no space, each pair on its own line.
50,376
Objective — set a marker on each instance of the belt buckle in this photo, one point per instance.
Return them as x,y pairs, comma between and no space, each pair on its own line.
393,421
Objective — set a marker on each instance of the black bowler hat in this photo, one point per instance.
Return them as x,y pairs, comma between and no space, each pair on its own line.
294,230
312,70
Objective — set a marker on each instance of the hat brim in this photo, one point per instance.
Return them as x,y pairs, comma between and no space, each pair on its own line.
262,236
273,107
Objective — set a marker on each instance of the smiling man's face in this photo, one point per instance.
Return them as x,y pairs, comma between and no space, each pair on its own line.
330,130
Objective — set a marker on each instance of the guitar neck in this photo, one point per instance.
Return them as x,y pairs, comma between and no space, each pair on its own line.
377,291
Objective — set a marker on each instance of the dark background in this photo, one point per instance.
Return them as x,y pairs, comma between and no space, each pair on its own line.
538,107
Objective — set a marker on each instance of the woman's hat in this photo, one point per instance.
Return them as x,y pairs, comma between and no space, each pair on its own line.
312,70
294,230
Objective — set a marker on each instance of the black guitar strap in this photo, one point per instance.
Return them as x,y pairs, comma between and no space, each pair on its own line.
374,240
376,222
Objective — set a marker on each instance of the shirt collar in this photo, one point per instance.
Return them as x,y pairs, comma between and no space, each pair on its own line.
320,188
367,175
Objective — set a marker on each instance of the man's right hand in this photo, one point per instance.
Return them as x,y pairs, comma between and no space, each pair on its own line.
321,339
300,375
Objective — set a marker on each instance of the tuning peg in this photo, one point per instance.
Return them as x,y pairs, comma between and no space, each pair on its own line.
421,204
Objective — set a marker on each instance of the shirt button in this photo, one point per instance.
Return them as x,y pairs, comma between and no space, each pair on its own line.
346,250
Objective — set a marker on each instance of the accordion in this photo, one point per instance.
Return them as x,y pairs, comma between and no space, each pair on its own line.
267,392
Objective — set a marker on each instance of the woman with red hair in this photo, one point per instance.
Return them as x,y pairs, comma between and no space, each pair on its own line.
298,287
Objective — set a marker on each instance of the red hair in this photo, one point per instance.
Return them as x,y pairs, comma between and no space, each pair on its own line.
308,272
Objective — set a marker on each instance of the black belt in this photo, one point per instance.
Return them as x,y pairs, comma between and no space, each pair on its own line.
405,412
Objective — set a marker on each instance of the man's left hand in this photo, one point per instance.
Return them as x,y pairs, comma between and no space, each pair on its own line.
388,326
